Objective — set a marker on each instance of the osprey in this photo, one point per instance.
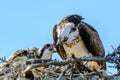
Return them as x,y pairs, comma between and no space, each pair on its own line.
72,36
38,53
18,59
44,53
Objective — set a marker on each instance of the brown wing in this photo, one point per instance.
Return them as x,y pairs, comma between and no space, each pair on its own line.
18,53
61,52
59,47
91,39
54,33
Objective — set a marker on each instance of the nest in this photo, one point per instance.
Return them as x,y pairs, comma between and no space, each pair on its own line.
29,68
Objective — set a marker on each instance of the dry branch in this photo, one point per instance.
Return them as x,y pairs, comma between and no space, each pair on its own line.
65,72
66,62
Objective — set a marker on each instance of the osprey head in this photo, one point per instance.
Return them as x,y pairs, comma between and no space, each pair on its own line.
46,51
67,28
68,34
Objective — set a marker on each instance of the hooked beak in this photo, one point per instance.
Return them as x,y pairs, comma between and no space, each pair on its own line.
58,43
61,41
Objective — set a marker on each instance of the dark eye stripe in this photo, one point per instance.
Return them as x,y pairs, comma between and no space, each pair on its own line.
43,49
65,38
72,30
46,46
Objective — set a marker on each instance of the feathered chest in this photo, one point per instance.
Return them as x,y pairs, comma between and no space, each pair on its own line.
74,42
76,47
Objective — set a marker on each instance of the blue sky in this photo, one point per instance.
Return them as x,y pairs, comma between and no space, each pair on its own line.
29,23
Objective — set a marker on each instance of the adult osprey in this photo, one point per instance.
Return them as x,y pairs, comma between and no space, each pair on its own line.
72,36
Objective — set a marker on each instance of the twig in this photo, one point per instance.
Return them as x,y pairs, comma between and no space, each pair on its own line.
71,71
50,72
66,62
3,59
92,74
68,67
33,61
88,74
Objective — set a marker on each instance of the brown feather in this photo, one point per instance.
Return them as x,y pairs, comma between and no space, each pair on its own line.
91,39
59,48
54,33
61,52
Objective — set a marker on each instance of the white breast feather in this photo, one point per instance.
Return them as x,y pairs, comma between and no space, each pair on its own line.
47,54
78,49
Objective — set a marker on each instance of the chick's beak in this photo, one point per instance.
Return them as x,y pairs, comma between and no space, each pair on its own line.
52,47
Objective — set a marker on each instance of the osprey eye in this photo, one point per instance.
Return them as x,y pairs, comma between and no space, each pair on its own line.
65,38
46,47
73,29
